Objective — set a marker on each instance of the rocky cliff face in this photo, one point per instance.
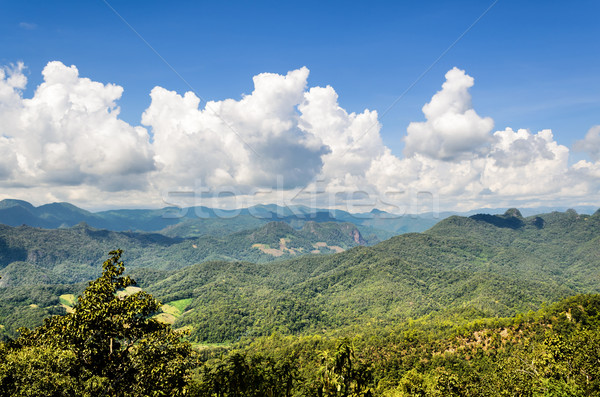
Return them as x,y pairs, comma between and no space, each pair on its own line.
335,233
358,238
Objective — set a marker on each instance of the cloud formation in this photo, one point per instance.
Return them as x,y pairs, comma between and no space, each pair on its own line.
69,133
453,129
246,143
353,139
68,143
591,143
525,164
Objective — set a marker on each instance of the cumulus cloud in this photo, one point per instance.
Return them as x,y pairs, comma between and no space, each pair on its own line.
353,139
591,143
69,133
455,156
248,143
521,163
453,128
516,165
68,143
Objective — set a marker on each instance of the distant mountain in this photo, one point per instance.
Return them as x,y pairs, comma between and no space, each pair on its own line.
199,221
56,215
203,220
494,265
491,264
35,262
18,212
69,255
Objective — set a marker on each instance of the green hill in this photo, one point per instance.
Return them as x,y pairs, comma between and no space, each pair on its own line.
69,255
496,266
32,257
459,310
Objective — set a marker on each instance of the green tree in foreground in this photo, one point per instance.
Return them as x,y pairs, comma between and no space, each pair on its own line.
109,345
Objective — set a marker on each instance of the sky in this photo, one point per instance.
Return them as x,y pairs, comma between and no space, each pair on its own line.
403,106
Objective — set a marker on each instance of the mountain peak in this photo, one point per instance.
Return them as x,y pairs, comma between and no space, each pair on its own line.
62,207
513,212
275,229
9,203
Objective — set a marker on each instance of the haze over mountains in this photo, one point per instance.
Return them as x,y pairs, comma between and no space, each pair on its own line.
197,221
202,220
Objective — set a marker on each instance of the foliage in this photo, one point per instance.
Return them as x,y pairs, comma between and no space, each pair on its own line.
27,306
109,344
442,313
555,351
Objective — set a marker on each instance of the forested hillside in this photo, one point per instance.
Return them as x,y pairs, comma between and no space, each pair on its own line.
38,265
493,265
111,344
69,255
552,352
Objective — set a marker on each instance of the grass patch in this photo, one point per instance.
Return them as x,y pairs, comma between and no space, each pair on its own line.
165,318
181,304
172,310
198,346
128,291
175,308
68,300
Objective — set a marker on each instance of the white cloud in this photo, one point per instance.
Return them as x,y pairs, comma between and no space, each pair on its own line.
591,143
453,129
521,163
248,143
516,165
353,139
68,143
69,133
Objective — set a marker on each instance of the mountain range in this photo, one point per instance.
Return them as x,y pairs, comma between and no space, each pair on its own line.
200,220
478,266
488,265
70,255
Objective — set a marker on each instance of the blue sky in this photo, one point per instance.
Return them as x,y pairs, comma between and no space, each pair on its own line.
535,64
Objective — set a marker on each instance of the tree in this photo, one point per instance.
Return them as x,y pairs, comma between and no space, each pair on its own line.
109,345
342,375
